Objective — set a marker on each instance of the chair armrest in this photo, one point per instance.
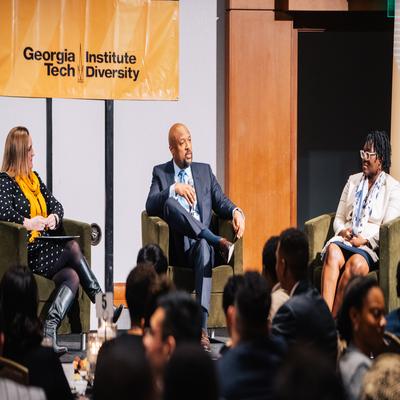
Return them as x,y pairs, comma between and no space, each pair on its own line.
318,231
155,230
82,229
225,229
389,259
14,245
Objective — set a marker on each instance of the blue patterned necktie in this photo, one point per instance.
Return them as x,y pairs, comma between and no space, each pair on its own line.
182,179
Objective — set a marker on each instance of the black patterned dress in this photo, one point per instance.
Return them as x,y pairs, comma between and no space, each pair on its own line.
14,207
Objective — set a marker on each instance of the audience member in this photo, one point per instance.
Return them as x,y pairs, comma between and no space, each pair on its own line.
315,379
23,334
382,380
278,294
190,374
140,287
361,324
122,374
232,286
393,318
10,390
176,320
152,254
247,371
304,318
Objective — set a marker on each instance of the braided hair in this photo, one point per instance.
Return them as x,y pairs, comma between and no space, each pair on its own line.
381,143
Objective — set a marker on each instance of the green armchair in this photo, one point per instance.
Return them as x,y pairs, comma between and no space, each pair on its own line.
155,230
13,251
320,229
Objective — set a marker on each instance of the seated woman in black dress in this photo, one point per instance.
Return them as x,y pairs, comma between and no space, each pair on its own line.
25,199
369,199
23,334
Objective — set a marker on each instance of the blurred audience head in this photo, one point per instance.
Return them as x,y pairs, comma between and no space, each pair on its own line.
190,374
19,304
152,254
234,283
308,374
382,380
140,285
252,304
269,260
122,374
362,316
176,320
291,257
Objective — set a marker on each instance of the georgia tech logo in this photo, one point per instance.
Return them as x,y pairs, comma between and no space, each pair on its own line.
107,64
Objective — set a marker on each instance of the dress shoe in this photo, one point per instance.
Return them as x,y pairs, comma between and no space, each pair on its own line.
226,249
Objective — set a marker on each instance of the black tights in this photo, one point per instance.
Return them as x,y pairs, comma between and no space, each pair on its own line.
66,274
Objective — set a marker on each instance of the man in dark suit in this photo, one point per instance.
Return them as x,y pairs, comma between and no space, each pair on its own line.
305,318
184,194
248,369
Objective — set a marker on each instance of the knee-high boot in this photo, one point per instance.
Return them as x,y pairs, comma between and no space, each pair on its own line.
57,311
91,286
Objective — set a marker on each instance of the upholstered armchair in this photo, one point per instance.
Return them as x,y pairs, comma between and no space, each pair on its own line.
13,251
155,230
320,229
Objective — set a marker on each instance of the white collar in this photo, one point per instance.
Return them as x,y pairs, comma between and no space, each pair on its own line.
294,288
276,287
188,170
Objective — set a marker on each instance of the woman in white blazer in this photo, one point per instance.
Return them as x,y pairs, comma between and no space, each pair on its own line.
369,199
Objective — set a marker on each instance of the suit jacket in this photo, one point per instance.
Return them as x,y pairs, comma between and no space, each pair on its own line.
248,370
210,196
386,208
305,318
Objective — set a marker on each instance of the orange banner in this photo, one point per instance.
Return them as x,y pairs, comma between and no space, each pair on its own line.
89,49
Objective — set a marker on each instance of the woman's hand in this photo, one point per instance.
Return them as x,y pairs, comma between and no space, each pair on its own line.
35,224
346,234
358,241
51,222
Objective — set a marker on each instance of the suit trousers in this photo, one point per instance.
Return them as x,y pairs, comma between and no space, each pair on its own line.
188,250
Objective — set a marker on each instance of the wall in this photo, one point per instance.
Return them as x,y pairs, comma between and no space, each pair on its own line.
140,139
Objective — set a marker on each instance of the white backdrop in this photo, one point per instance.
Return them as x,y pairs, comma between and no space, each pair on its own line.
140,139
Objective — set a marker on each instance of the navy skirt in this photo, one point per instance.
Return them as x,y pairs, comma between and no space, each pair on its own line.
348,251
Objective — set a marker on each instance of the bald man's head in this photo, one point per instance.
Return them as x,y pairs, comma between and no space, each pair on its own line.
180,145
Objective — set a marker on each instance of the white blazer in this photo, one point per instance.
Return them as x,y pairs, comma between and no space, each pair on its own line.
386,208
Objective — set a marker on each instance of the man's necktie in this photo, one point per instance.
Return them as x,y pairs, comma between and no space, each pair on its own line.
182,175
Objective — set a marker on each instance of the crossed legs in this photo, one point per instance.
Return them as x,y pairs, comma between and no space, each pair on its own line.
336,274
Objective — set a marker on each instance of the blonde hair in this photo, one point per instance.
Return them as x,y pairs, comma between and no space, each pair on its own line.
16,148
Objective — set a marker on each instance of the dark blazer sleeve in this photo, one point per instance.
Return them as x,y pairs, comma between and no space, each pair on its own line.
284,323
157,196
221,204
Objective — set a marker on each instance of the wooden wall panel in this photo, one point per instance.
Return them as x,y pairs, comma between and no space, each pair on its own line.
331,5
259,142
251,4
313,5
